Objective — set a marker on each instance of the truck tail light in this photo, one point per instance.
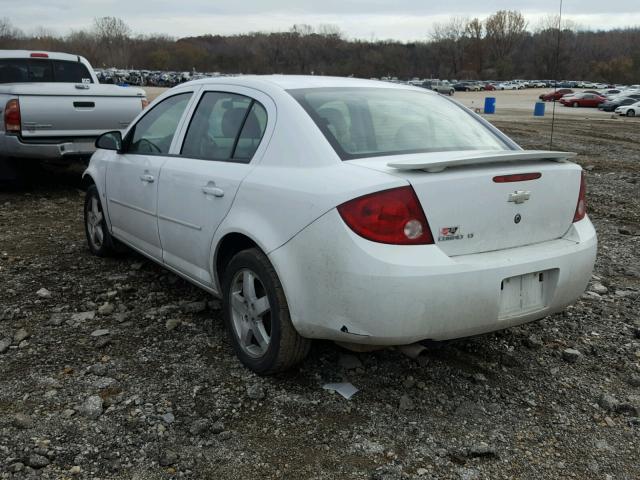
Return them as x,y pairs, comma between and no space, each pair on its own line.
12,116
390,216
39,55
581,208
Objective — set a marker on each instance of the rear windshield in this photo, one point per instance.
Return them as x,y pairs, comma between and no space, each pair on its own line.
26,70
364,122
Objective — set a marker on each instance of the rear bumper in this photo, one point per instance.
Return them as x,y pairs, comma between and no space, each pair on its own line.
344,288
56,149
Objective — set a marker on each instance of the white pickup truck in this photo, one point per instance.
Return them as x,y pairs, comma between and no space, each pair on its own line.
52,108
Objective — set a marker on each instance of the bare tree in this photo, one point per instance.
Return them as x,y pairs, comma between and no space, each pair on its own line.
505,30
474,31
8,33
114,38
450,39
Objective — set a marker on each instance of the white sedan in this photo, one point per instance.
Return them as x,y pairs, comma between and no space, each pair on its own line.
357,211
629,110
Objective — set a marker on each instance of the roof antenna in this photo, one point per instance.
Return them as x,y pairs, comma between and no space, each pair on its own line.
555,76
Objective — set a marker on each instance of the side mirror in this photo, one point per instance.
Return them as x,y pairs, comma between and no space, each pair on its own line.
110,141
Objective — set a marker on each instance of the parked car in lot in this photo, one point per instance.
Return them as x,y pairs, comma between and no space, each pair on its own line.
489,86
555,95
508,86
341,209
610,105
439,86
53,108
582,100
629,110
467,87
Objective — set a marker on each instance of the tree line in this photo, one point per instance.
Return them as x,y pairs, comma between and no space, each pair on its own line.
501,46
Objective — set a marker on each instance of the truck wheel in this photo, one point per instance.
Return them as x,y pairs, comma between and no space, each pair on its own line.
100,241
256,315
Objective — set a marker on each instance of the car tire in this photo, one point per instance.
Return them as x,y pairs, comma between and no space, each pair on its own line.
99,240
575,105
257,320
631,113
451,92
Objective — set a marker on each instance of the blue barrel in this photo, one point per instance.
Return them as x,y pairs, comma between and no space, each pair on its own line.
538,110
489,105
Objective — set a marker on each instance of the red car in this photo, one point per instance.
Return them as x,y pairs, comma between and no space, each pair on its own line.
489,86
555,95
582,100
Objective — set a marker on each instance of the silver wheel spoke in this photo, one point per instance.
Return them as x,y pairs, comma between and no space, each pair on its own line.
261,306
246,333
99,236
261,336
237,303
248,286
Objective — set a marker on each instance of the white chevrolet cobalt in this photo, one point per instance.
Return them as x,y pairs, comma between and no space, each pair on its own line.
351,210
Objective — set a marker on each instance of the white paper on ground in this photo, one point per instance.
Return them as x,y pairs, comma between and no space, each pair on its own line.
346,389
412,351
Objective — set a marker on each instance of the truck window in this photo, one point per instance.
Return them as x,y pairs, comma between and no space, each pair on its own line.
26,70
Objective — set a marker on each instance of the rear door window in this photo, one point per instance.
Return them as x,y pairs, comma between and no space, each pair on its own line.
225,127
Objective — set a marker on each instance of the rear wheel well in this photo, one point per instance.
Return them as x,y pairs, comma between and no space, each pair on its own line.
86,182
231,244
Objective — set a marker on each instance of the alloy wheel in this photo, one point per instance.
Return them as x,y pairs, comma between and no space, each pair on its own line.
95,223
250,313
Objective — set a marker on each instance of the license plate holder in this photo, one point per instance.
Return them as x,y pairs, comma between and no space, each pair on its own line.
523,294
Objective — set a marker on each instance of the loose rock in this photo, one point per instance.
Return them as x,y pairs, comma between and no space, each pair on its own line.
168,458
571,355
21,335
43,293
91,407
38,461
255,392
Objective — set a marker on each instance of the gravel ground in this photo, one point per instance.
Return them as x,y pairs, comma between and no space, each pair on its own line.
114,368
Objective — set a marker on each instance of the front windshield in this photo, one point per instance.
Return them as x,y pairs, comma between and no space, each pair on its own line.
364,122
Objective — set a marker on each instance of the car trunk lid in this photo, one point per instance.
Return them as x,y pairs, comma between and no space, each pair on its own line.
470,212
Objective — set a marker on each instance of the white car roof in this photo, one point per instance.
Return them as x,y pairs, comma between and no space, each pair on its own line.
291,82
27,54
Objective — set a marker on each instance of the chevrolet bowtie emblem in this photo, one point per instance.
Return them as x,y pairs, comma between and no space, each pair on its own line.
519,196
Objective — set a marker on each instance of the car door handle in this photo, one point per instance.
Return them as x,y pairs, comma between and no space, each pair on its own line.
215,191
147,178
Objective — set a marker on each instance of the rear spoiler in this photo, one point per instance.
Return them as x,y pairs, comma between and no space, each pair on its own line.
438,161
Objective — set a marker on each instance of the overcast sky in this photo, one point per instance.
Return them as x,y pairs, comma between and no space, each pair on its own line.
404,20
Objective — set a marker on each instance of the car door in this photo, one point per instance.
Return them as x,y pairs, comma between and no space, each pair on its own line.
133,175
219,147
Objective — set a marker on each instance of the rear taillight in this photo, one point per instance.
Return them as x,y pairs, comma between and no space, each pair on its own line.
145,103
12,116
581,208
391,216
